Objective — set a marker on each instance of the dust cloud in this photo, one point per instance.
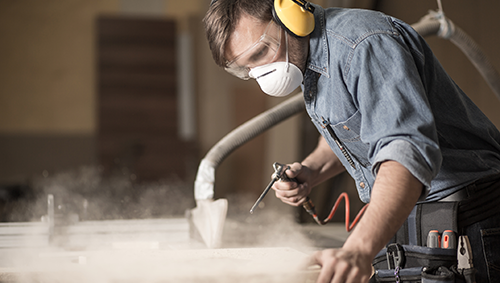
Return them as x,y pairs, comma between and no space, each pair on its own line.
113,229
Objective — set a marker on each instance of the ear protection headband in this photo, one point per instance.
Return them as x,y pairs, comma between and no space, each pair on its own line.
296,16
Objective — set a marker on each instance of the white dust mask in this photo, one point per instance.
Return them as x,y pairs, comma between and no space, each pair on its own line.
279,78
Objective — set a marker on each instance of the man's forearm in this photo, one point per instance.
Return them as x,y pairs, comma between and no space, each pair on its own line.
323,162
394,195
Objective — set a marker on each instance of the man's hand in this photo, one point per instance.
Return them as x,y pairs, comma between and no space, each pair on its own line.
342,265
319,166
294,193
393,196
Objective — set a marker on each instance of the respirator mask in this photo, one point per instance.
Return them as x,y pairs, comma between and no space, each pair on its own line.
275,79
279,78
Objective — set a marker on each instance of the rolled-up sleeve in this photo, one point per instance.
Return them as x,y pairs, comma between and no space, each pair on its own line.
410,157
397,121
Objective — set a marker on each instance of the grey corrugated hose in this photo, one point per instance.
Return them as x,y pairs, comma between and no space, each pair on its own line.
436,24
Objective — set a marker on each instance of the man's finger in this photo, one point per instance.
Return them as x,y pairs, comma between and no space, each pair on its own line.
356,275
295,201
288,193
294,170
285,186
326,274
312,260
340,272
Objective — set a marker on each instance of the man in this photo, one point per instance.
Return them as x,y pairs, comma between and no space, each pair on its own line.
388,114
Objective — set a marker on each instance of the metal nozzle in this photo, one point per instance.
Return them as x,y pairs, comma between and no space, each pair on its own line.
279,174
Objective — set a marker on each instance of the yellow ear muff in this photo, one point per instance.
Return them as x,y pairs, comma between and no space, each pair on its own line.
294,17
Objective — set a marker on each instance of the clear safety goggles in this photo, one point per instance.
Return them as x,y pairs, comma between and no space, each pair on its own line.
262,52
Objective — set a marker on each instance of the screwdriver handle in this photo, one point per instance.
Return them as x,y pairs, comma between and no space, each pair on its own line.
448,240
433,239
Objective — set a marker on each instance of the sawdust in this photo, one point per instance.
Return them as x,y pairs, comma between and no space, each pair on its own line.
255,248
86,192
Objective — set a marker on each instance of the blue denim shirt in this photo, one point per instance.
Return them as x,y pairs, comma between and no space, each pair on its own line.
377,84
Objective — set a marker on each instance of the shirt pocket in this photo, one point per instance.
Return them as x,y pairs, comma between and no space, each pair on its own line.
348,133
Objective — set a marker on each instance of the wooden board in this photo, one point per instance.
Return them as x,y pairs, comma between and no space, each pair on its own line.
147,265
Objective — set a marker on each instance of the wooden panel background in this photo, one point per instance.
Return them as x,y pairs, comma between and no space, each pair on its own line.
137,99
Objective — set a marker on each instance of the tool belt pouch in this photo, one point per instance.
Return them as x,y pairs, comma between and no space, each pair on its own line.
407,258
417,275
405,263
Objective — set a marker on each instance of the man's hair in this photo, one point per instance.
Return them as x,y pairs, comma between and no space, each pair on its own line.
222,17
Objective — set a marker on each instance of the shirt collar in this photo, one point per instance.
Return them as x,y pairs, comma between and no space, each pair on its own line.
318,44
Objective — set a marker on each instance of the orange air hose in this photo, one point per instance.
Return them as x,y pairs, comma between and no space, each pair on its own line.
309,207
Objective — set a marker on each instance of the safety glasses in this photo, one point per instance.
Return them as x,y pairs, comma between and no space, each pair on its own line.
262,52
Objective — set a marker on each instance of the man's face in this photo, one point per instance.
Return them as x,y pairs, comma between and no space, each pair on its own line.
253,43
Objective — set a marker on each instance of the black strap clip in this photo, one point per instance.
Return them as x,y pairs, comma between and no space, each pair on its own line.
395,256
